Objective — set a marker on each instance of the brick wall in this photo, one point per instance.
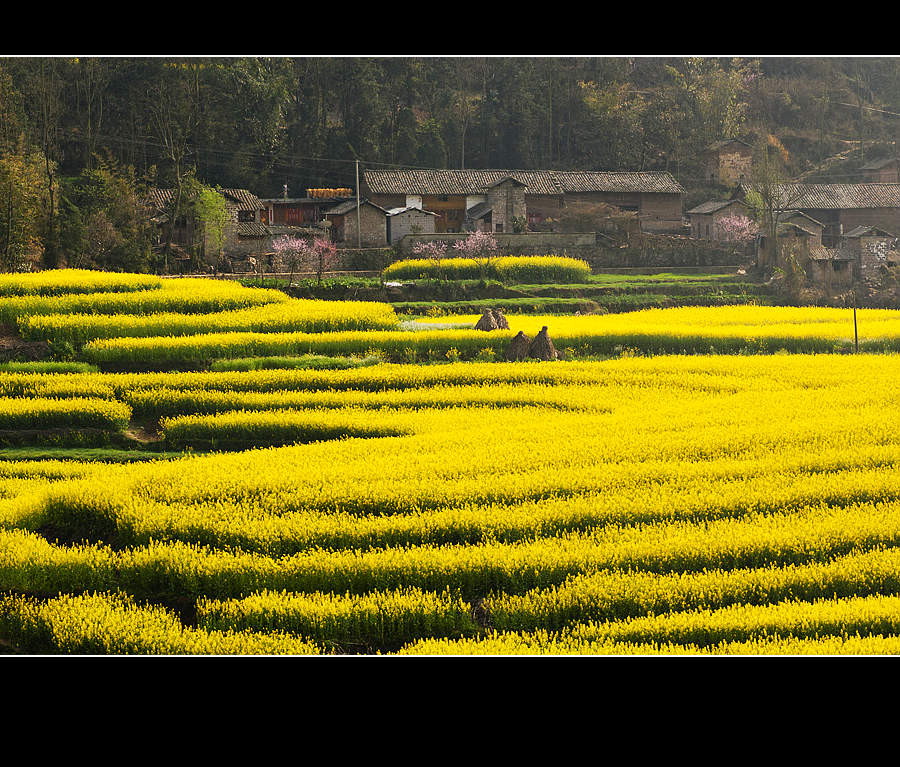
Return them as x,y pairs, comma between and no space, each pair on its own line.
373,224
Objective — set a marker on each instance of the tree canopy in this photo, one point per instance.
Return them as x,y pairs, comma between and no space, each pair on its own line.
261,123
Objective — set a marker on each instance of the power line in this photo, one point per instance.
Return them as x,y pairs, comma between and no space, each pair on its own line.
868,109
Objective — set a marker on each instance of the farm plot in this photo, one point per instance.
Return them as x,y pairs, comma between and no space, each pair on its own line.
686,330
716,330
678,504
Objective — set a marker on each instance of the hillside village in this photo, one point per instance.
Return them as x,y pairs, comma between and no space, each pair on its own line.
837,235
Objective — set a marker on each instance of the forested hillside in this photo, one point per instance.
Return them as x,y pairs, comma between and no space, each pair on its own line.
79,138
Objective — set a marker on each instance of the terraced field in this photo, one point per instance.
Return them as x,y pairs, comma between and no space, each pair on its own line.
698,503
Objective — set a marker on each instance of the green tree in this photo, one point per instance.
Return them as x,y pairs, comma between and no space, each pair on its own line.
207,206
103,222
23,207
12,114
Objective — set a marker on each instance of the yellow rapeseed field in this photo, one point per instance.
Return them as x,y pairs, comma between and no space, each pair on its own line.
734,504
659,497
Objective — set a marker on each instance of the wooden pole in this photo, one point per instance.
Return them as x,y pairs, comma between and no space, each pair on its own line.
855,334
358,229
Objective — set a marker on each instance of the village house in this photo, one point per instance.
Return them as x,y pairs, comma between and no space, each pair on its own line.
245,232
883,171
248,234
403,221
728,161
794,242
342,224
808,223
303,211
828,268
513,200
704,219
839,208
869,248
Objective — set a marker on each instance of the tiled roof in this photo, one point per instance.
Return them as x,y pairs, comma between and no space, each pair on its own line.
252,229
789,214
861,231
348,205
479,211
714,205
243,199
619,181
158,199
837,196
397,211
716,145
821,253
549,182
786,227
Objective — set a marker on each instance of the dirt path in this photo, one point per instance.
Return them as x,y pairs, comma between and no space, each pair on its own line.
13,346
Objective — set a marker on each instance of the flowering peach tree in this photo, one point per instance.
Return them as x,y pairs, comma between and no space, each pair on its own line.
738,229
435,252
481,247
318,255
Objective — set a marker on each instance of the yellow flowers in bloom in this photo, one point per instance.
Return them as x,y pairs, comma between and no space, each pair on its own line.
687,504
297,315
61,281
720,329
654,502
189,295
520,269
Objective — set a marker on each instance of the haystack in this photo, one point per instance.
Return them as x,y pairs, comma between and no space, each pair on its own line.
518,348
501,321
487,321
542,347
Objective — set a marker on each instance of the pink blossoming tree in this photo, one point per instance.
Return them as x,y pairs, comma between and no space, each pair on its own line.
481,247
435,252
738,229
318,255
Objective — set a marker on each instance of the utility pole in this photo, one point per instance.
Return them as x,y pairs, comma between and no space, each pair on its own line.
855,334
358,229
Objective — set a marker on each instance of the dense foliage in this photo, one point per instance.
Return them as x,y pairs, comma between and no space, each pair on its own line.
81,138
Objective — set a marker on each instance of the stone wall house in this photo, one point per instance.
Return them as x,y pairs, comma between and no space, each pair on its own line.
247,235
830,269
704,219
869,248
158,205
793,241
808,223
404,221
728,162
464,198
884,171
372,224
